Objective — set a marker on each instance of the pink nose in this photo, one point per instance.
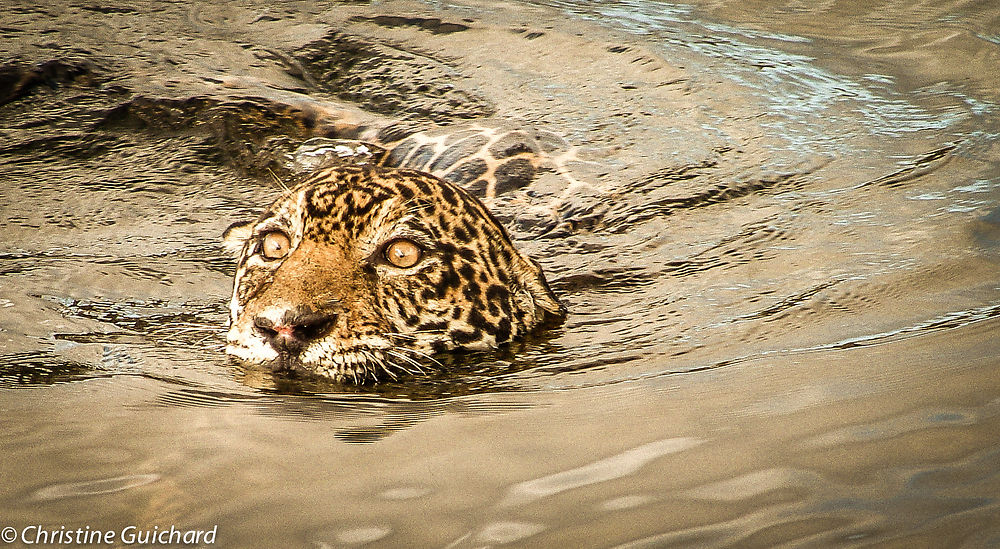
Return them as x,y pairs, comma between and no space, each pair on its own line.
296,328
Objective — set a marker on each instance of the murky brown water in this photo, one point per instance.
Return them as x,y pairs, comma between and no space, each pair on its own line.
776,226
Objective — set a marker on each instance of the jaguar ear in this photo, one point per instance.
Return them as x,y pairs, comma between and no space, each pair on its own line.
547,307
236,237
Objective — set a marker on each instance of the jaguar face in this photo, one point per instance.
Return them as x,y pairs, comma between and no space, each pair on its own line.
361,273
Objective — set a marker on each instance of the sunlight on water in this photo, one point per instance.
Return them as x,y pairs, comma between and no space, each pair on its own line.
96,487
600,471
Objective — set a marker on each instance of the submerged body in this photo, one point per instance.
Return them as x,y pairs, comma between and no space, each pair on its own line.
361,271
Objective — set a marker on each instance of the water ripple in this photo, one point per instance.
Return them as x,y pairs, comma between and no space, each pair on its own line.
94,487
616,466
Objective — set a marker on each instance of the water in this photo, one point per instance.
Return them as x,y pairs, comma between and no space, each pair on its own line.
776,226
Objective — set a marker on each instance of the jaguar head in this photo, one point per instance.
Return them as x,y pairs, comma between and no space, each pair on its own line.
361,273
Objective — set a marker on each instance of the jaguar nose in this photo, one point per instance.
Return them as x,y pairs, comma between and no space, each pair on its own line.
296,327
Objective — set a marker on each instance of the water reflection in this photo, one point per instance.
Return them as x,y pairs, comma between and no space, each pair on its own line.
775,226
94,487
603,470
359,418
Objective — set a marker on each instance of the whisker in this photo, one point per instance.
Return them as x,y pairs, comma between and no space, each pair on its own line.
404,337
410,334
400,352
204,339
279,181
409,360
421,354
371,358
385,368
184,328
402,368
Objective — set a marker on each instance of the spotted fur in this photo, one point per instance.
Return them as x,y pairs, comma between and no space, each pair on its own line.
335,306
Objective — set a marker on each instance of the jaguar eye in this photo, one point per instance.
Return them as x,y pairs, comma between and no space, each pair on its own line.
403,253
274,245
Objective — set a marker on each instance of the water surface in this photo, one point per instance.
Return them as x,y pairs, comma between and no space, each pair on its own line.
776,226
